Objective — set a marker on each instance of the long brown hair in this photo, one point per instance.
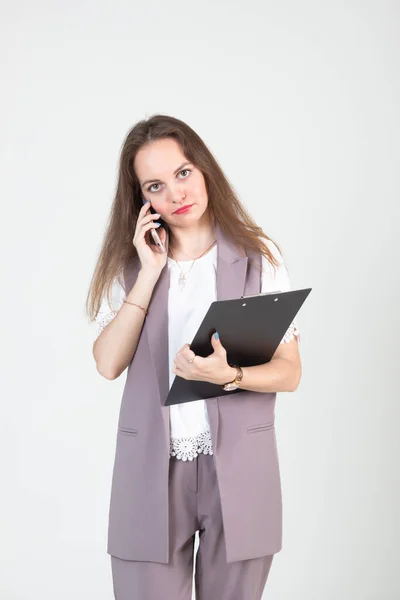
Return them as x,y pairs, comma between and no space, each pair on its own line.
225,207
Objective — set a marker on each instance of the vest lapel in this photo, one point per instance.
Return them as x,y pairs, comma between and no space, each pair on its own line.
156,325
231,280
231,268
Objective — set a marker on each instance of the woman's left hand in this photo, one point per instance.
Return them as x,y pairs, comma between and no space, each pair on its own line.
214,368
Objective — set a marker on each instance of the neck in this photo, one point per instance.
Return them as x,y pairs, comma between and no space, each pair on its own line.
190,242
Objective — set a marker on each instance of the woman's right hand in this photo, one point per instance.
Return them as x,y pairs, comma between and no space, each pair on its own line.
152,258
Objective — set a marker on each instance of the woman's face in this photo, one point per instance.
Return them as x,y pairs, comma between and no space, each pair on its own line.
171,182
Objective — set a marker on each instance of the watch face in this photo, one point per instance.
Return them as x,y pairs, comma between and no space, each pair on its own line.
230,386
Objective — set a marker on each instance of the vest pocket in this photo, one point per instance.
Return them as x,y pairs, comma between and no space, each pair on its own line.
260,427
127,431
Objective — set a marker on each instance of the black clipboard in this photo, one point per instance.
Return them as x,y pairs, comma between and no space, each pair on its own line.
250,329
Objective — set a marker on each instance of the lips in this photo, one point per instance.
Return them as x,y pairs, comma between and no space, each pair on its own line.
183,209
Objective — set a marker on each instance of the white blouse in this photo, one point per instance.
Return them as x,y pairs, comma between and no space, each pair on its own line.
190,431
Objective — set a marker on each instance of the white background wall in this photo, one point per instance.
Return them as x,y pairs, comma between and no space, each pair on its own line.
299,101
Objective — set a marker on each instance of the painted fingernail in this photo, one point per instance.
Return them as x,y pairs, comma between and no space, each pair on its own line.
157,224
216,335
147,201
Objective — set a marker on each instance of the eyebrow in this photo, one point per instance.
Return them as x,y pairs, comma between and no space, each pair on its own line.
176,171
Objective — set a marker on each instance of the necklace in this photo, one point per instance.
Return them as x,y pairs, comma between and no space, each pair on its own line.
183,275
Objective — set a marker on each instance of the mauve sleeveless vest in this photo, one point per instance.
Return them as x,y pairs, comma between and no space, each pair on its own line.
242,432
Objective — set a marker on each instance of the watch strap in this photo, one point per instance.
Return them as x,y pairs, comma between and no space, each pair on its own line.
235,383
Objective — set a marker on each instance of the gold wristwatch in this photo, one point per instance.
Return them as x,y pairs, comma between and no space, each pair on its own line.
233,385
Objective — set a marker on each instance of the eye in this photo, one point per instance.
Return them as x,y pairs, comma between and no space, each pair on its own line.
153,184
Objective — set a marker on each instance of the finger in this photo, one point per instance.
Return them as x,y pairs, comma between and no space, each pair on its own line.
188,354
177,371
178,360
143,229
140,235
144,209
149,218
182,363
176,368
182,349
217,345
142,213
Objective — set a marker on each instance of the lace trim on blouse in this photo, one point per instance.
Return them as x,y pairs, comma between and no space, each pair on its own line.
187,448
108,317
291,332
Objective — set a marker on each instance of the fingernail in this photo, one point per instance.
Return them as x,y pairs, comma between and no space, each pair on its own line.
216,335
157,224
147,201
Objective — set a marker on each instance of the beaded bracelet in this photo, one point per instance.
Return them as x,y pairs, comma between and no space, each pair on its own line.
138,305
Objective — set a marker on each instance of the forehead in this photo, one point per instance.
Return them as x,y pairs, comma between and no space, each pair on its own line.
158,159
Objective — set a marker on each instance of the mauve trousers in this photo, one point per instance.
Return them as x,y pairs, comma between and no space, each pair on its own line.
194,506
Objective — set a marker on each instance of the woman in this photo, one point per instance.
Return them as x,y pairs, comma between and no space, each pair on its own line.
210,465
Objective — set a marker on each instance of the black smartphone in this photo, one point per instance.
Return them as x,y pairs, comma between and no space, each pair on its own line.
154,237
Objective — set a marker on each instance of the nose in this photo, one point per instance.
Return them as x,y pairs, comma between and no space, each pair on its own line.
176,194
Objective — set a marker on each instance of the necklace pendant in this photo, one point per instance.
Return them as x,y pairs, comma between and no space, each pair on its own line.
182,281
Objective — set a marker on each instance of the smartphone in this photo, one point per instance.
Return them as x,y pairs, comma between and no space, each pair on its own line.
153,232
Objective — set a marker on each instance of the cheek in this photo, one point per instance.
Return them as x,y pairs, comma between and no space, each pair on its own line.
199,190
157,204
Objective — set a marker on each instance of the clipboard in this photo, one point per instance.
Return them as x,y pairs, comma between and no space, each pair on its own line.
250,329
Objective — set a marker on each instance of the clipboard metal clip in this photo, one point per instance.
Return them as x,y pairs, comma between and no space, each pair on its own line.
263,294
